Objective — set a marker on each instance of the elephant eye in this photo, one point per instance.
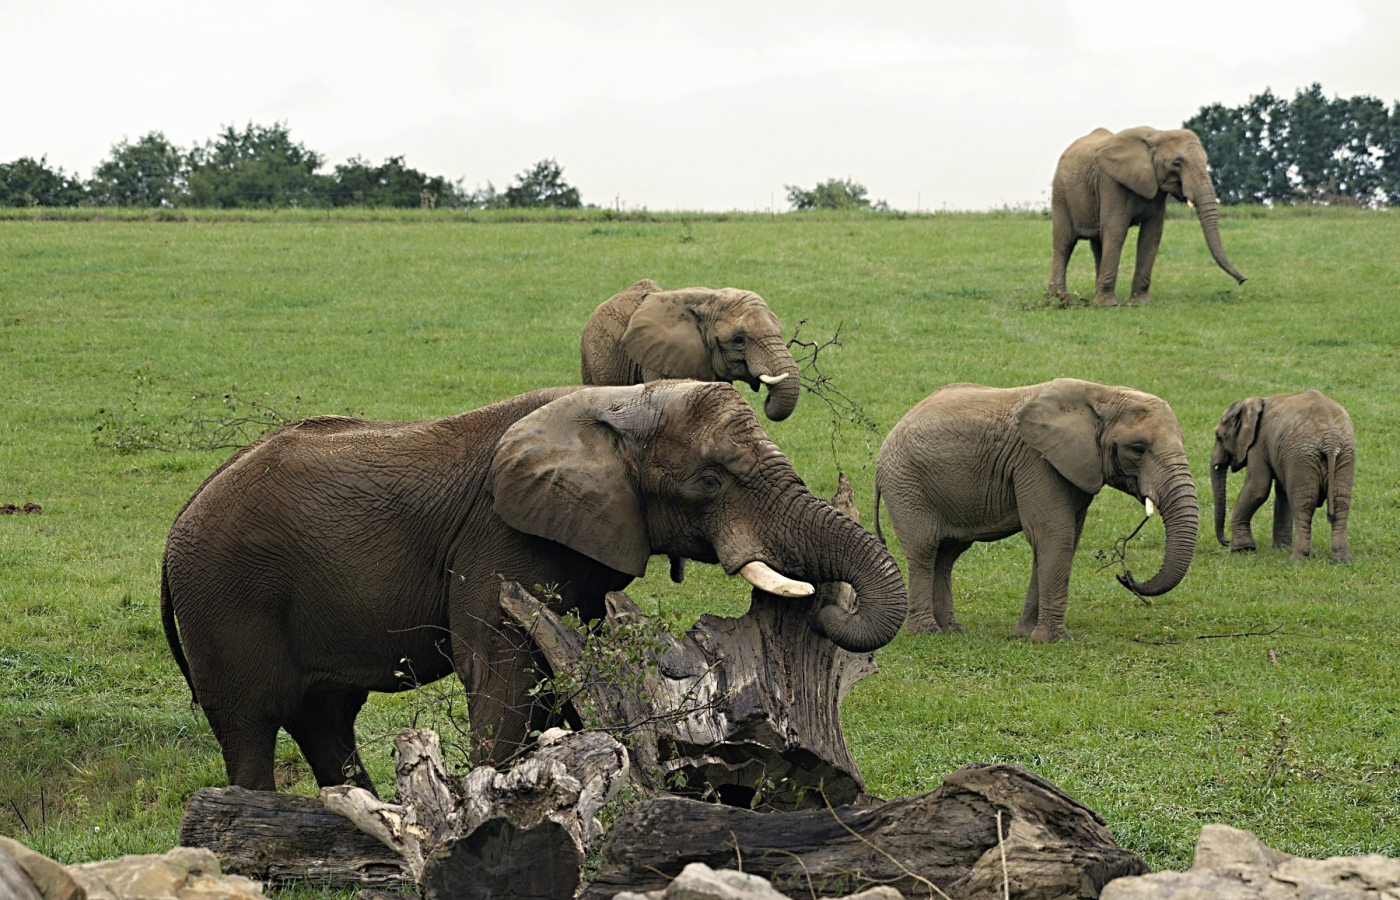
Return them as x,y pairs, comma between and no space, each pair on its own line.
738,340
1137,449
709,481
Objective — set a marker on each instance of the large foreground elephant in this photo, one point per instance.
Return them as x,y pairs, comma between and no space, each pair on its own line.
338,556
1300,444
1106,182
645,333
972,463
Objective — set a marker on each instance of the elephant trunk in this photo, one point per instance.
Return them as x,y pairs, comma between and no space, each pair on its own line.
1219,469
1201,192
837,548
770,362
1180,517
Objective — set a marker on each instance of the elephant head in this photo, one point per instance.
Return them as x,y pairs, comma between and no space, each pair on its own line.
1235,433
645,334
1095,435
683,468
1147,161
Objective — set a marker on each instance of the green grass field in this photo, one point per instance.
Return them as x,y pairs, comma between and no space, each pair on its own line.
1145,716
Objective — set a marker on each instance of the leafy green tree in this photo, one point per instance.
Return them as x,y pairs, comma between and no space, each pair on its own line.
834,193
357,183
542,185
260,166
30,182
1310,150
150,172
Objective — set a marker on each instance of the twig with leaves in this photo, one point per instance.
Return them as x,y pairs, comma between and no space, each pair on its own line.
1118,556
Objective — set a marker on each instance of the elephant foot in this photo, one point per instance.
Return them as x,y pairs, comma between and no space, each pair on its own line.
953,625
1342,556
1141,298
1299,555
1243,547
921,626
1106,298
1283,545
1022,629
1044,635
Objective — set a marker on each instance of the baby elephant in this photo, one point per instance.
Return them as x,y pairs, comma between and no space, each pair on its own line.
1303,442
973,463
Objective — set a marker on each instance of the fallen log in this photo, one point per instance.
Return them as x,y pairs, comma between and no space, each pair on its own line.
744,710
523,833
987,830
282,838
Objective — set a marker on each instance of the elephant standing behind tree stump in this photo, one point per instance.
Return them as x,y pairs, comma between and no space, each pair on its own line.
337,556
1302,445
1106,183
972,463
644,334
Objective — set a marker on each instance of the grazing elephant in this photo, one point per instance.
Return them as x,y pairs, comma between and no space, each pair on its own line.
972,463
338,556
1303,442
645,333
1106,182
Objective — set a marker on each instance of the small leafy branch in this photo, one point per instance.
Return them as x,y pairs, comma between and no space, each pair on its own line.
1118,556
235,421
845,412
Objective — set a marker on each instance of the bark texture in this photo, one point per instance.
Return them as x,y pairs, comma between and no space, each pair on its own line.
281,838
746,709
1053,846
522,833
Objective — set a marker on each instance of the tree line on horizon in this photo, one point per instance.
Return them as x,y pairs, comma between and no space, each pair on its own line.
262,167
1269,150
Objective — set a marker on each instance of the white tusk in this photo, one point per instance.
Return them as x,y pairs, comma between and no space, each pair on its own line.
771,380
762,576
1150,508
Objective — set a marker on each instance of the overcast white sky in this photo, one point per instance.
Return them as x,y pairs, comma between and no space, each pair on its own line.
696,105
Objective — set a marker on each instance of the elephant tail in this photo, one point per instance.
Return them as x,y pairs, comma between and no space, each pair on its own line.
1331,484
879,534
172,635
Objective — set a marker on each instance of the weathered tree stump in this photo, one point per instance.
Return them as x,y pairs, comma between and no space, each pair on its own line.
283,838
523,833
746,709
944,841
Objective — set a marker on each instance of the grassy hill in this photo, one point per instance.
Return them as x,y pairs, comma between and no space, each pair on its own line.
116,332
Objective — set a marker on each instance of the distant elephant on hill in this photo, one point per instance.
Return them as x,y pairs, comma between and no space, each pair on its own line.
645,333
337,556
972,463
1303,446
1106,183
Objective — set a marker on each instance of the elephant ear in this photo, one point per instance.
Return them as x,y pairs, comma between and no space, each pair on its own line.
664,337
1127,159
1242,428
1061,423
567,472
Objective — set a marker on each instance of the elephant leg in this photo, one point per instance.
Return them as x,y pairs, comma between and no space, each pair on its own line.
1096,246
1113,238
324,728
248,741
922,563
498,680
1149,238
1062,245
1030,610
948,553
1305,502
1283,519
1252,496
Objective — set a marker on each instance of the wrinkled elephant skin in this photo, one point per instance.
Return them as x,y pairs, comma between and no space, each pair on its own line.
1106,183
972,463
338,556
645,333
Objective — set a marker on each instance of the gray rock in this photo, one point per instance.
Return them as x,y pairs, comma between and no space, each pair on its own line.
698,881
185,873
50,878
1235,865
